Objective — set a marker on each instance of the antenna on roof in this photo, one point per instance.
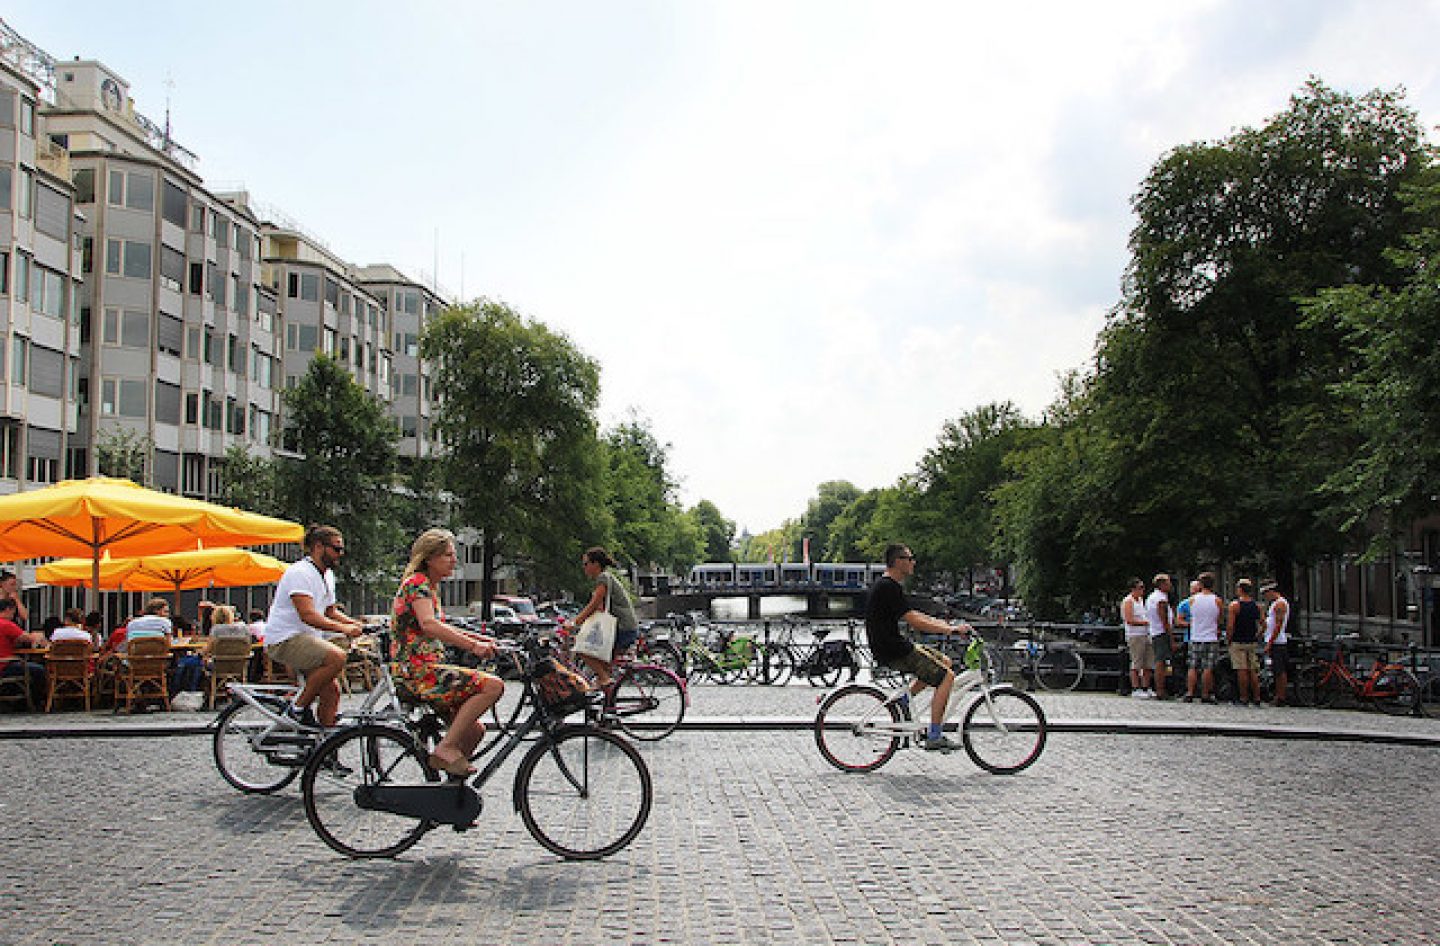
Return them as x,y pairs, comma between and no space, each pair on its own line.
169,87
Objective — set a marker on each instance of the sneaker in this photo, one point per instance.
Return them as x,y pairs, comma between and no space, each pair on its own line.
1189,698
1138,695
1210,701
939,744
304,718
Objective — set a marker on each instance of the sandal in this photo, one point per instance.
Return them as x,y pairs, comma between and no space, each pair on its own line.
458,766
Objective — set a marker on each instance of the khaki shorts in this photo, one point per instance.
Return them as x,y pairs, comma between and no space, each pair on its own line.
302,652
924,663
1142,655
1243,657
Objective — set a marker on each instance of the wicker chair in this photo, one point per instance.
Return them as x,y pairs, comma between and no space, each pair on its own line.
69,669
229,663
147,672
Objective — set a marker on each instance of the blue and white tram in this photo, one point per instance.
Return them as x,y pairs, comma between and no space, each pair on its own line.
713,576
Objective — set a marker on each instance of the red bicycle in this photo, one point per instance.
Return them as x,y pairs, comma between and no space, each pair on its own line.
1389,687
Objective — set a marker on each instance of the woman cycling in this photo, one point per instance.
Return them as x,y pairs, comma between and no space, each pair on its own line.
609,594
459,694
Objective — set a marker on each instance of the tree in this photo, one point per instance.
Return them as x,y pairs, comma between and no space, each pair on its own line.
830,500
1207,374
954,528
717,534
346,475
1394,394
250,482
123,453
516,419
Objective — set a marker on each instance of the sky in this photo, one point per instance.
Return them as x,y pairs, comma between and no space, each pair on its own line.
798,237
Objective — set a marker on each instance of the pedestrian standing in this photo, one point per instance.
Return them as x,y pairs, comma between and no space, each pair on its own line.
1277,641
1137,640
1205,610
1242,627
1162,634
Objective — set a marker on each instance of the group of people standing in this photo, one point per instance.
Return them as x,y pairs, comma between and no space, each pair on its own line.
1154,629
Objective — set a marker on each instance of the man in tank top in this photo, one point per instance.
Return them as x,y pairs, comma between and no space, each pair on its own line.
1205,608
1277,641
1243,629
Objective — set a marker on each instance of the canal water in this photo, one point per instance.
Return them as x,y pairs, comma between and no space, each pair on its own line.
738,609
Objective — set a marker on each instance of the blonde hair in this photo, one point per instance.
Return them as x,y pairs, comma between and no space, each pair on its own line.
223,614
432,542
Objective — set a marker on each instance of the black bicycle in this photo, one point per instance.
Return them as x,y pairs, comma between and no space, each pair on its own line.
582,792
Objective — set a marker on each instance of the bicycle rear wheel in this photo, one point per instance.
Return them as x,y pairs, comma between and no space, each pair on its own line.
1060,669
583,793
772,665
352,759
237,749
649,701
1005,733
853,728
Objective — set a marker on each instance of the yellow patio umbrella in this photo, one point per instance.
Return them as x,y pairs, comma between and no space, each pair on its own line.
92,517
177,571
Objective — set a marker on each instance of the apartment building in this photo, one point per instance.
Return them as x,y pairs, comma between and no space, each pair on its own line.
410,305
40,288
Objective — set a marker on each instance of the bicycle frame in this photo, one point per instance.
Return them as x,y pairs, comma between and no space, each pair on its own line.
962,695
381,703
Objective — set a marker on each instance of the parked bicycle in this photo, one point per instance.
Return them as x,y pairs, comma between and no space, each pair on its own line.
826,659
1389,687
859,727
1047,664
581,791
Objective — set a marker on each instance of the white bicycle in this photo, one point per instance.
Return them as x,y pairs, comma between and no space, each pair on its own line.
858,728
258,750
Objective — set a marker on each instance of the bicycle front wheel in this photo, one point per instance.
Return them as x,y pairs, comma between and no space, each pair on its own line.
583,793
1060,669
244,760
1397,692
353,759
1005,733
855,728
649,702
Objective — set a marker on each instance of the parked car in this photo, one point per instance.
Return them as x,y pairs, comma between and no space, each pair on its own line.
523,608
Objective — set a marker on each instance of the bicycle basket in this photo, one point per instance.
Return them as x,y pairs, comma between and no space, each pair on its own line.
558,688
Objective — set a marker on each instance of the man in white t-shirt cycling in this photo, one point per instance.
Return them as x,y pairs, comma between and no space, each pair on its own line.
304,609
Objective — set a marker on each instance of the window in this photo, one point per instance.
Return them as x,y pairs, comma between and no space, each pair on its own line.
130,258
170,335
172,268
47,372
7,108
128,328
309,288
43,462
332,292
4,272
116,195
174,206
300,337
84,179
167,403
192,474
238,297
9,446
27,117
220,229
327,342
197,218
19,359
197,278
22,276
24,198
52,212
140,191
192,408
47,292
123,397
7,184
234,360
216,283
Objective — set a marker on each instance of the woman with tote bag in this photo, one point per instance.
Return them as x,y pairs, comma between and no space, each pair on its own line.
609,601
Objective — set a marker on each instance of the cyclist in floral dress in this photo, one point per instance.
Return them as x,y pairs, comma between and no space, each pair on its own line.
459,694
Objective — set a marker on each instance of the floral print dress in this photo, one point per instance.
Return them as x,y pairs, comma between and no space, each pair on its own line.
421,675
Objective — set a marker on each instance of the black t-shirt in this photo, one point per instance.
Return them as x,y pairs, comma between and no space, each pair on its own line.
884,609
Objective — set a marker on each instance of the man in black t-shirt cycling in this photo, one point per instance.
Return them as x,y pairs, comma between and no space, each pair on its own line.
886,607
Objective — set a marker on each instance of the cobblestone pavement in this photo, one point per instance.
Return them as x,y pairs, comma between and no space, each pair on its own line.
754,839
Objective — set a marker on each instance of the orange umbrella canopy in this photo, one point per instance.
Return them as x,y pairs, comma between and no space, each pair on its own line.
177,571
92,517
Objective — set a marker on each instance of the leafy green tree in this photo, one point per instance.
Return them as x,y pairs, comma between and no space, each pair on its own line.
346,475
1393,397
250,482
516,418
830,500
1207,374
124,453
717,534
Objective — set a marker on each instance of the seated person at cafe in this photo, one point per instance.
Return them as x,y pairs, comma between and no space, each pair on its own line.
10,589
11,637
225,623
70,628
95,625
155,622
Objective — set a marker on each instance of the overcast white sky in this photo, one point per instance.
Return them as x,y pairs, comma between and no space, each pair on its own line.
798,236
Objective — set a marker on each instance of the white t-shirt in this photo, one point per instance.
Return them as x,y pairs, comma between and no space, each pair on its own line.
1158,600
302,578
64,633
1205,618
147,625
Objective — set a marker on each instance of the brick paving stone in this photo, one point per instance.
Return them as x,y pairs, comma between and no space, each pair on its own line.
754,839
